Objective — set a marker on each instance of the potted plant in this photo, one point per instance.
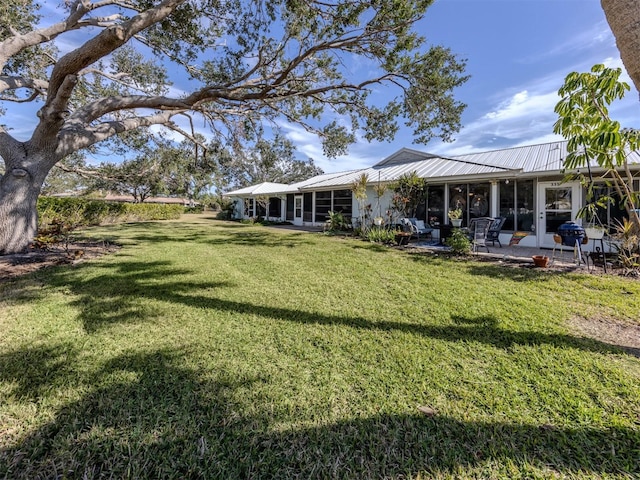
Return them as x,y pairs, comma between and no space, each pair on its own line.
594,231
455,216
540,261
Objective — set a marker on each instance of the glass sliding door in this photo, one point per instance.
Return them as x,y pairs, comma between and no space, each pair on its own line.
557,203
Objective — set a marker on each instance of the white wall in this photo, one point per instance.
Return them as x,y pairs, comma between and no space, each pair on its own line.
372,199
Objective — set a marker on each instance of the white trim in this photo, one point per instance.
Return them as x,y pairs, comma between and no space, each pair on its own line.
545,240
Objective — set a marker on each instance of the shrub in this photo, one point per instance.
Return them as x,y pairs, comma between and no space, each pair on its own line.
79,212
381,235
628,247
458,242
336,221
194,209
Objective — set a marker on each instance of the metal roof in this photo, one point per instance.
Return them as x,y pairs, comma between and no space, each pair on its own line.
530,159
406,161
541,159
545,157
264,188
325,177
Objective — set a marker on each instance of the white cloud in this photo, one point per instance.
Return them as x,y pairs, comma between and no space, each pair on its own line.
309,145
525,115
581,40
520,118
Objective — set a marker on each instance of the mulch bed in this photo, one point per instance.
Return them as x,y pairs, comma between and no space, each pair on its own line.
19,264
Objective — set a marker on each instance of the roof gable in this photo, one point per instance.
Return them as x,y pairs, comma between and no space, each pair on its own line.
404,155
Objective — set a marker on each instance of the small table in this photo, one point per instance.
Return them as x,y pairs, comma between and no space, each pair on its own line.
598,253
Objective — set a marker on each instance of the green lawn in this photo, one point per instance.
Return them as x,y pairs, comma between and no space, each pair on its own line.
205,349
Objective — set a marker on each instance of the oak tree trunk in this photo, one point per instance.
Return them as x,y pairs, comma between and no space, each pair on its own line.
623,17
19,190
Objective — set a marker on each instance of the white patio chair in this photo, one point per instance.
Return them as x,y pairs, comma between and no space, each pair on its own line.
479,232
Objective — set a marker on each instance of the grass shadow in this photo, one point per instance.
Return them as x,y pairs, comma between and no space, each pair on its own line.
235,234
113,298
37,369
259,239
492,268
483,329
146,415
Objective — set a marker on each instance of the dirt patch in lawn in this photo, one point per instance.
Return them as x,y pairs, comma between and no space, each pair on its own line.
16,265
611,331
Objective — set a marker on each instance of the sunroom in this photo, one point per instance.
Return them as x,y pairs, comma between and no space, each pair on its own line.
526,185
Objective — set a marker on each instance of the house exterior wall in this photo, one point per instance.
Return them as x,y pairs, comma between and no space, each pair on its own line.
509,182
379,207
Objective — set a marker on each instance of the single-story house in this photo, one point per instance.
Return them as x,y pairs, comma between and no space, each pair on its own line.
524,184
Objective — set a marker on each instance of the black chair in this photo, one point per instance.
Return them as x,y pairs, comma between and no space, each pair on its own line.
493,235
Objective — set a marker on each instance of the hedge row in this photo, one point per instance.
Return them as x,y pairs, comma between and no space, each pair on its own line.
80,212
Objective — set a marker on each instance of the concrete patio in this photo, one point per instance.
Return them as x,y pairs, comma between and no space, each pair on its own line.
513,253
516,253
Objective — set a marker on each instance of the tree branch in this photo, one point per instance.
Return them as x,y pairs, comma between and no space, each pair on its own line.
18,42
72,139
17,82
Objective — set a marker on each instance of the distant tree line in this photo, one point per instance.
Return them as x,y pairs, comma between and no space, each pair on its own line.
194,171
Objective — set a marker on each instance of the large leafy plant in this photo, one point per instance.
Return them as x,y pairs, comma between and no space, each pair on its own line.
594,138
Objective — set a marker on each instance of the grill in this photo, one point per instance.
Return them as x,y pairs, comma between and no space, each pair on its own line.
571,234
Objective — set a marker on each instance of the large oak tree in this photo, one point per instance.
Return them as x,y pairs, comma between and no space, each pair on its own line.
135,64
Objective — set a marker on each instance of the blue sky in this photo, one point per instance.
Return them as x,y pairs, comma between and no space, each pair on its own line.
518,53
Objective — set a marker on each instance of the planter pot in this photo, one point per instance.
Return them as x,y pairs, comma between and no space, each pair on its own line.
456,222
402,238
540,261
594,233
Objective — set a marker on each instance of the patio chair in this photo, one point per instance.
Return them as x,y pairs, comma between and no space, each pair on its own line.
417,227
493,235
478,232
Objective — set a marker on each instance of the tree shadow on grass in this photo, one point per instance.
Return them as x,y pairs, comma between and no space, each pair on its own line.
371,247
155,232
114,297
251,238
35,370
482,329
259,239
146,415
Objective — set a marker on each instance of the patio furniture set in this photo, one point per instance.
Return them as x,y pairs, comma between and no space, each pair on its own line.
480,230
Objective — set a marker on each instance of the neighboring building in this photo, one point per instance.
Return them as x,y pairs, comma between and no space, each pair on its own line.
523,184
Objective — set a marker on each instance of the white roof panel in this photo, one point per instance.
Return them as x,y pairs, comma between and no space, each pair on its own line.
430,167
264,188
542,158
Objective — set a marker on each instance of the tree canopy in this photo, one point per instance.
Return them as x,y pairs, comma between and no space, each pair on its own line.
162,168
265,161
104,70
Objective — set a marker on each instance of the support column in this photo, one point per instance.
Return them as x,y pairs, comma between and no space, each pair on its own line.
495,210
